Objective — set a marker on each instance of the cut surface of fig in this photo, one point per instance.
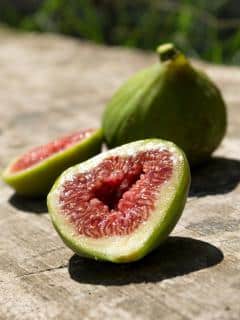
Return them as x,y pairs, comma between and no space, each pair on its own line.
120,204
35,171
116,196
40,153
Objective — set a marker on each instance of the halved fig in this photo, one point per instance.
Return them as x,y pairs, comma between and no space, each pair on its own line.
121,204
34,172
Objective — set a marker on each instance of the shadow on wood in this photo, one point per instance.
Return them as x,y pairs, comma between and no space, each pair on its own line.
218,176
30,205
178,256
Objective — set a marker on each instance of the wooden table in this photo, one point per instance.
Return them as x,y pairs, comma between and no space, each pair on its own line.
50,85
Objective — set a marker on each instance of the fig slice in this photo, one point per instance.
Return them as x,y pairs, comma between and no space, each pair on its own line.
123,203
34,172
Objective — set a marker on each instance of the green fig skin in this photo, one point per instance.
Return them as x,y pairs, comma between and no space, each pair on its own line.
37,180
170,100
161,230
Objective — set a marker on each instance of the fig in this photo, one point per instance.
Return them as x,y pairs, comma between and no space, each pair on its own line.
123,203
34,172
170,100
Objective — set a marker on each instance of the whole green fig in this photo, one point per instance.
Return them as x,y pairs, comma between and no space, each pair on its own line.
169,100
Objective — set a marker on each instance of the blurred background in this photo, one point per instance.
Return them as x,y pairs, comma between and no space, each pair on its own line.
206,29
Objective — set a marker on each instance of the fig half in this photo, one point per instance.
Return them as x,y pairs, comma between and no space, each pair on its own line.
34,172
121,204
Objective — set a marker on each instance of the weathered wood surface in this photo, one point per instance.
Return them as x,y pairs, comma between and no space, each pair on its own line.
50,85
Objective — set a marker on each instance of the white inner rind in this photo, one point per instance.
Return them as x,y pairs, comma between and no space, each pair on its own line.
118,246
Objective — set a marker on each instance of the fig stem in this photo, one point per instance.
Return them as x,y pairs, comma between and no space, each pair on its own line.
167,52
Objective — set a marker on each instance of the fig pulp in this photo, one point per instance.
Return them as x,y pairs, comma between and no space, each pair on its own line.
121,204
170,100
33,173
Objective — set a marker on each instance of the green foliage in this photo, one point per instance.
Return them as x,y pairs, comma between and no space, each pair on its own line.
78,18
203,28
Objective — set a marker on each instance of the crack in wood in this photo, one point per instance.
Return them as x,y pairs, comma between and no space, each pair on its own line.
41,271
